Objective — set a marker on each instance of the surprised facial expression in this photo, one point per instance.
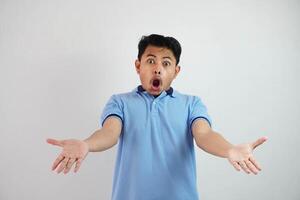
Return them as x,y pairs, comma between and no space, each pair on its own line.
157,69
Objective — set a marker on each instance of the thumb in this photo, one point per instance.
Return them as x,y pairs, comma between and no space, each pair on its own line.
259,142
54,142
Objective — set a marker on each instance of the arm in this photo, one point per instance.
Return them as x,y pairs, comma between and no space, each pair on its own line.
74,151
240,156
209,140
106,137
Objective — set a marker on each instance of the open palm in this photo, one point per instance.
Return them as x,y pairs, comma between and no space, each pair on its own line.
74,151
241,156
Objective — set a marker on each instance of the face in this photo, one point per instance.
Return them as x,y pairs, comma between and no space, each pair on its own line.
157,69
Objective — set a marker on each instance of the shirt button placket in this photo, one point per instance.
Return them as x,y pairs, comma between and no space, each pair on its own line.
154,107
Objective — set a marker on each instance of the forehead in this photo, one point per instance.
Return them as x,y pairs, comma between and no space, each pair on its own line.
158,51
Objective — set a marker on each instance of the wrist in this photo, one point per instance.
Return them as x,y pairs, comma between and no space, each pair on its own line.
86,142
229,150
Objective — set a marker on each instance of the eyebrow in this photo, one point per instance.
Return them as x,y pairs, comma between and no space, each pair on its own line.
168,57
155,56
150,55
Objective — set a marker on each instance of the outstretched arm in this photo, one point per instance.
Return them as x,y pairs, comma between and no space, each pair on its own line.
74,151
240,156
107,136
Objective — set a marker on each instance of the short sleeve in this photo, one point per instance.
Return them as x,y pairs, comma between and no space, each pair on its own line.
198,110
112,108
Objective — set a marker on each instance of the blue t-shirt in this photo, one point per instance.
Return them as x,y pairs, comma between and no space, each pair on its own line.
156,158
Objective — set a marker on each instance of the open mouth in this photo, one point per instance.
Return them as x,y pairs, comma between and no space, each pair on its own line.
156,84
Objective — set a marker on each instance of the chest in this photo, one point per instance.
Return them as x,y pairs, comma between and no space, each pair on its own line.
156,117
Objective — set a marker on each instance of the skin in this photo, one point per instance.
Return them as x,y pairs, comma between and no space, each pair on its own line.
156,63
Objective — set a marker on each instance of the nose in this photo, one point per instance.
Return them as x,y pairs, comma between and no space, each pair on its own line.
157,69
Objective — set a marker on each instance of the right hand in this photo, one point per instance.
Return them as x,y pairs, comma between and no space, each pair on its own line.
74,151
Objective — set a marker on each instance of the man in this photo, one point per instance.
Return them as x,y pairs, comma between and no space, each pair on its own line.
156,127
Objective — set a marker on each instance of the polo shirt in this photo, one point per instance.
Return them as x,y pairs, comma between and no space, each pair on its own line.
155,156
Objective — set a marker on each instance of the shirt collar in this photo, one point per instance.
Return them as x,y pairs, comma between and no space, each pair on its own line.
170,91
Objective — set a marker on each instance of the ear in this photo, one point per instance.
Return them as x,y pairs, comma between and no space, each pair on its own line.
137,65
177,70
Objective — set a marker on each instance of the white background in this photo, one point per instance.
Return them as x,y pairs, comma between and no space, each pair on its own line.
60,61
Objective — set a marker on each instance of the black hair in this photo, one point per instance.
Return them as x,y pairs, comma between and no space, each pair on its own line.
160,41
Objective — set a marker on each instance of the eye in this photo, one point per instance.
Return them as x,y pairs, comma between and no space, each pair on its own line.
150,61
166,63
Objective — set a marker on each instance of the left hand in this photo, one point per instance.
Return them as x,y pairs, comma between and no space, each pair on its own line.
241,157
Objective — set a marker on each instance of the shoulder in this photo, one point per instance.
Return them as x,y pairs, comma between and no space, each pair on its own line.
123,97
188,98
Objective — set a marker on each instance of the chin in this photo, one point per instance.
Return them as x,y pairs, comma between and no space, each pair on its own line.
156,93
150,91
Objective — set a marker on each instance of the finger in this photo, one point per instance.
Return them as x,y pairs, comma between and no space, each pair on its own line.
255,163
244,166
78,164
69,165
55,142
235,165
250,166
62,165
259,142
57,161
